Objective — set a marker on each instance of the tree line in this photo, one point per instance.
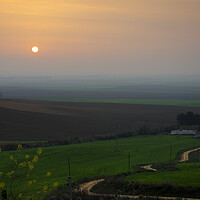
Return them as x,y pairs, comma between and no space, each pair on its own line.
188,118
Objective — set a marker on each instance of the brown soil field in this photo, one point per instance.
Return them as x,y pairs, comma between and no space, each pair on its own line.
43,120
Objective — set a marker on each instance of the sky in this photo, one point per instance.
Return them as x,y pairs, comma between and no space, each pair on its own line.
99,37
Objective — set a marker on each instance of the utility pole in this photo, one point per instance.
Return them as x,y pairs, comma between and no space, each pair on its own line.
116,141
132,127
69,179
69,168
129,162
171,154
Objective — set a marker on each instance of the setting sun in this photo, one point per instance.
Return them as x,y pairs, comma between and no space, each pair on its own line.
35,49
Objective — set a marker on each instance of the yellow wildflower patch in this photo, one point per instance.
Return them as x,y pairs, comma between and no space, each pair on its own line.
31,166
11,157
45,188
20,195
9,174
19,147
48,173
29,163
23,164
55,184
30,182
39,151
2,184
35,159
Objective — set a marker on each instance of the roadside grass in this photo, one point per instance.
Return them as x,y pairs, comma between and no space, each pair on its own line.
167,102
96,159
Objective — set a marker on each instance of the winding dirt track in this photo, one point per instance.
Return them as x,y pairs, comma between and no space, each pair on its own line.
149,167
185,155
86,187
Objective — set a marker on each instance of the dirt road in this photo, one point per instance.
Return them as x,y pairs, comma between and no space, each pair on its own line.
149,167
86,187
185,155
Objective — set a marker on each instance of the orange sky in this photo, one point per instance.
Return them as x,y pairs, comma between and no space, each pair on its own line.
99,36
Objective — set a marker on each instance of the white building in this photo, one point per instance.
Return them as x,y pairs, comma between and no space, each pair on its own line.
183,132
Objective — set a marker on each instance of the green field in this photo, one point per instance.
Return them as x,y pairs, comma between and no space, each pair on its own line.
187,174
167,102
97,158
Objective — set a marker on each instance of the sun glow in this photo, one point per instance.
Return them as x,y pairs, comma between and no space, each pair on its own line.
35,49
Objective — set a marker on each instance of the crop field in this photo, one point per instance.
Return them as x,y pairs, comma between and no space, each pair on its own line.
51,120
167,102
188,174
98,158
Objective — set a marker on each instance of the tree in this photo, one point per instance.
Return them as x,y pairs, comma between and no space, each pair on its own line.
188,119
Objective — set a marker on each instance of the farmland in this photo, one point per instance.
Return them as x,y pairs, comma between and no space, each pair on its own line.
79,111
48,120
100,158
169,102
47,108
187,175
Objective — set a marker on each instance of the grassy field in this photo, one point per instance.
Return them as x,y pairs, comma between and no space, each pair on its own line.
167,102
187,174
98,158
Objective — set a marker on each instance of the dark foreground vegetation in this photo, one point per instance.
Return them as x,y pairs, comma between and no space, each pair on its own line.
112,189
63,194
115,185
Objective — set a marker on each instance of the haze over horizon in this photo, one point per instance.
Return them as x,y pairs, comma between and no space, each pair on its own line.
115,37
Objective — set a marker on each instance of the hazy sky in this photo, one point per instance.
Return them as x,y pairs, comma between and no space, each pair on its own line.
86,37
